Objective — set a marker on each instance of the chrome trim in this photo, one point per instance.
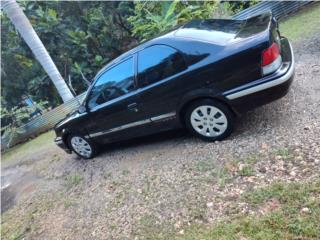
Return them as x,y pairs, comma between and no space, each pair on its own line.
163,116
266,85
58,141
134,124
96,134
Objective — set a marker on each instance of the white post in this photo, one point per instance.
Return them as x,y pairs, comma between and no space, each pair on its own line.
24,27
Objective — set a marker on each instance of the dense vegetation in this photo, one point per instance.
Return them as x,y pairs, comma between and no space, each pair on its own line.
83,36
79,36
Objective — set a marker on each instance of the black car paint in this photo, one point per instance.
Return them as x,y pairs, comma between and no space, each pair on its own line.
214,69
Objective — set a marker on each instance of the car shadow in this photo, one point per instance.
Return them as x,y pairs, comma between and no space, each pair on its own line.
170,135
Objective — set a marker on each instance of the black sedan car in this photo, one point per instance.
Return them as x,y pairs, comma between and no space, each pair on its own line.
199,76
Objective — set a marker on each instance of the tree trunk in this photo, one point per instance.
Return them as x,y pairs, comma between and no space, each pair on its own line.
22,24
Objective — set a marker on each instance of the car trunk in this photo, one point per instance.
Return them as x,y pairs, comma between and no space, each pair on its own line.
225,31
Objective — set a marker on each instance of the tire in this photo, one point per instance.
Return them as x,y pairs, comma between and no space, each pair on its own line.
209,120
83,147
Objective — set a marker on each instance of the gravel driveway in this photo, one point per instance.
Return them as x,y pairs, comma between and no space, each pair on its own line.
157,186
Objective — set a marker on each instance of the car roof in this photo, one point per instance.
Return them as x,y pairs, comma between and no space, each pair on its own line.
219,32
162,38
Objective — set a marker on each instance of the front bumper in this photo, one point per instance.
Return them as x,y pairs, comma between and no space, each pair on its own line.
266,89
60,143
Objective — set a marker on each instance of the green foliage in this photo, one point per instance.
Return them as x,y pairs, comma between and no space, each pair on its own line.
31,147
12,119
294,194
81,37
151,18
16,116
238,6
72,181
286,222
291,27
246,171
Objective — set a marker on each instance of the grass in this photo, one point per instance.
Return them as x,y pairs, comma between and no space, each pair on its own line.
246,171
68,203
302,24
54,158
204,166
287,222
222,175
222,181
72,181
125,172
293,194
283,152
148,228
40,142
119,200
253,159
15,225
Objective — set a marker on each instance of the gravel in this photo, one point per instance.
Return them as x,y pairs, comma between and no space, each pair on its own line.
158,186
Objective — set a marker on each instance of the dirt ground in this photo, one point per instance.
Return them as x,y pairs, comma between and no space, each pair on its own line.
157,186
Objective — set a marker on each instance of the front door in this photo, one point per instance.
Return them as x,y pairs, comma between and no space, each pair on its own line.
113,103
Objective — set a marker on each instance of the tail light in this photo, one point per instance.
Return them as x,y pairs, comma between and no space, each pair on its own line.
271,59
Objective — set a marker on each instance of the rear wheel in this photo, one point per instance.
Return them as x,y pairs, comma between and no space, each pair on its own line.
84,148
209,120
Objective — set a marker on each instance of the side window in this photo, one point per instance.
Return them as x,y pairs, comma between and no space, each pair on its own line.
114,83
158,62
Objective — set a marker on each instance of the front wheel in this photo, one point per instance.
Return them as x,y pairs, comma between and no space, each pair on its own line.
209,120
84,148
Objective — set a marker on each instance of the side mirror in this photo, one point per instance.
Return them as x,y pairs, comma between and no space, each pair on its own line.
82,109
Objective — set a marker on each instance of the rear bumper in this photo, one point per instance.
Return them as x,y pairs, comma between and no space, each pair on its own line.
60,143
266,89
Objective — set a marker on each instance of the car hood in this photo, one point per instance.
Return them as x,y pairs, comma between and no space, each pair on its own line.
72,115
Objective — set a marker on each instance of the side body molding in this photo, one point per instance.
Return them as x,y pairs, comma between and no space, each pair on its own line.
134,124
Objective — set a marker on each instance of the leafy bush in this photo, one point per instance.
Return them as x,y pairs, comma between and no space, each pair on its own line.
80,36
16,116
151,18
13,119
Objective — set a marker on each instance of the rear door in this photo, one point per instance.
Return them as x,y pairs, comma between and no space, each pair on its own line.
113,104
160,79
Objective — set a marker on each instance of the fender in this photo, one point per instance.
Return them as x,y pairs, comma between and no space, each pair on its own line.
205,92
65,133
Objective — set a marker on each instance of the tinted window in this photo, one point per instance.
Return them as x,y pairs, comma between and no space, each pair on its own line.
158,62
114,83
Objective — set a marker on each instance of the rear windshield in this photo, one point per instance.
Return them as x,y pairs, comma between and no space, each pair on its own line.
215,30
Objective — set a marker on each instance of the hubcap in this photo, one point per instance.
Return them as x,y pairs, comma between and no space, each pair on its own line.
209,121
81,146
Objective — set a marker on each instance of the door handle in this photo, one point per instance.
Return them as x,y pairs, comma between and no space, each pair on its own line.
133,107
